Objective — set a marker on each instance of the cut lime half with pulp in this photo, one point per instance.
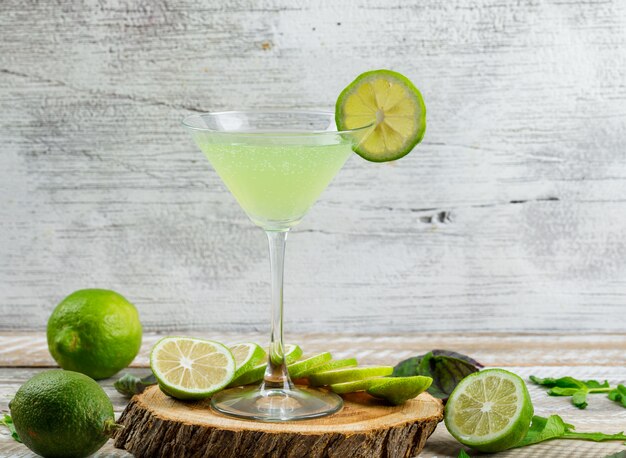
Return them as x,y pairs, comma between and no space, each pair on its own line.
191,368
489,410
247,355
393,108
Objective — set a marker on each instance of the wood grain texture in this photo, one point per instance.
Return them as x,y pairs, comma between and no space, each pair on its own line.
155,425
509,217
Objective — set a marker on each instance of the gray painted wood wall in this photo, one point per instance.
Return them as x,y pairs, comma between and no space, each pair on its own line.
510,215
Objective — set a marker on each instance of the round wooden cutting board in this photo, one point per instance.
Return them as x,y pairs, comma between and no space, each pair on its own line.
156,425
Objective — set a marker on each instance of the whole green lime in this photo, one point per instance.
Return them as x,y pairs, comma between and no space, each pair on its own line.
94,331
62,414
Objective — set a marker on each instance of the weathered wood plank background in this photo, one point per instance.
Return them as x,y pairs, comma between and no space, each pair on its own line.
510,216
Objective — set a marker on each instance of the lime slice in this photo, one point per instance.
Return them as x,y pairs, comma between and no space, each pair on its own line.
256,373
349,374
247,356
393,107
292,353
398,390
489,410
191,368
250,376
297,369
330,365
352,387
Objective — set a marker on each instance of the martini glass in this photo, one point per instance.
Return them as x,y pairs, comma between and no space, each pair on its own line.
276,164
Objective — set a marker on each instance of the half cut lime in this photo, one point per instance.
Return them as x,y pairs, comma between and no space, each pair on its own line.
189,368
489,410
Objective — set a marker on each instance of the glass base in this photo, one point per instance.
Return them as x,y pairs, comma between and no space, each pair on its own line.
276,404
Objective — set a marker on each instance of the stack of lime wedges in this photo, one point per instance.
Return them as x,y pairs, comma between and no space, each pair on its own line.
187,368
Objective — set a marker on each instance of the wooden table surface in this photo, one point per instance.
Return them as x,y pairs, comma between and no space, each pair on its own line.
23,354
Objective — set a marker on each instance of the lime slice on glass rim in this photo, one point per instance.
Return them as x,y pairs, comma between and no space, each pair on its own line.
393,107
247,355
188,368
489,410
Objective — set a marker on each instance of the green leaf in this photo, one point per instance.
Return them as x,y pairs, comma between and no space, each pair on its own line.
408,367
618,395
558,391
8,422
447,369
594,384
596,437
570,386
579,395
461,356
543,429
571,382
579,399
463,454
563,382
129,385
553,427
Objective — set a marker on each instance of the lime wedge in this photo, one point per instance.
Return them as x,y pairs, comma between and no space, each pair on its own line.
330,365
489,410
398,390
297,369
349,374
247,356
191,368
393,107
256,373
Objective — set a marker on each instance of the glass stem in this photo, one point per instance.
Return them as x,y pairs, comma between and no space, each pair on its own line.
276,375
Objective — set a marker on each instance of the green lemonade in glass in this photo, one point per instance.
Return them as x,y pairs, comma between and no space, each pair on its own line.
276,184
